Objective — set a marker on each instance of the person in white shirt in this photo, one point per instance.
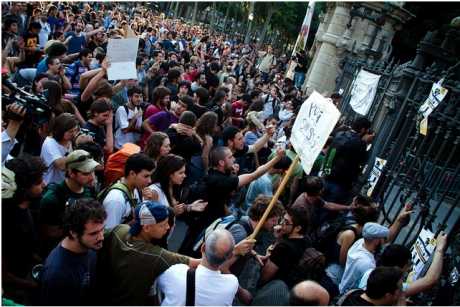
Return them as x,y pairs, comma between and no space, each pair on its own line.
211,286
56,147
124,195
128,119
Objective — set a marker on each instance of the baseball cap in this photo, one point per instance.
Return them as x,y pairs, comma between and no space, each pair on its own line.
80,160
375,231
148,213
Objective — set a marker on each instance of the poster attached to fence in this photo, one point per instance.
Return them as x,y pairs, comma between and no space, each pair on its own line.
122,55
375,174
313,125
363,91
421,251
436,95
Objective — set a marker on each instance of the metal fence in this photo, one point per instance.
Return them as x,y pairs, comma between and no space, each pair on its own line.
422,169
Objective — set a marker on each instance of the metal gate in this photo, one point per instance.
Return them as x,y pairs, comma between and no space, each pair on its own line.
423,169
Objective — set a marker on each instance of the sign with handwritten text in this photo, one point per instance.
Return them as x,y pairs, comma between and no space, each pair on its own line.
313,125
122,54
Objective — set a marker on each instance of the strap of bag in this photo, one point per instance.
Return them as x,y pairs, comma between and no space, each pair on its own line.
190,286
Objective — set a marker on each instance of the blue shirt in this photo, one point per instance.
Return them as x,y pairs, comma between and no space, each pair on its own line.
76,43
68,278
262,185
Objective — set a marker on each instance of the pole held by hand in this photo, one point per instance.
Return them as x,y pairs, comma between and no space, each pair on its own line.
275,197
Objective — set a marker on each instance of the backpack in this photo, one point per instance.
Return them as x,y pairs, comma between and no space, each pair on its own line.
118,186
221,223
311,266
327,233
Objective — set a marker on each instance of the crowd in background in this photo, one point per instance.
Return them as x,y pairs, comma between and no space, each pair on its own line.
144,191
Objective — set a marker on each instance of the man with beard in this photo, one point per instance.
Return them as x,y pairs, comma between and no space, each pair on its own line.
78,184
222,181
292,244
361,255
69,274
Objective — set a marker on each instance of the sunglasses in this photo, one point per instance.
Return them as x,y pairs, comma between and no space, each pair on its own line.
80,159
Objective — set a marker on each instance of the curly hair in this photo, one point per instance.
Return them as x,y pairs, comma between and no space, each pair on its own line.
81,212
259,206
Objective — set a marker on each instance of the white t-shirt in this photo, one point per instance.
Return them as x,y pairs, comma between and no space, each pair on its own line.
122,122
359,260
51,151
212,288
118,207
161,195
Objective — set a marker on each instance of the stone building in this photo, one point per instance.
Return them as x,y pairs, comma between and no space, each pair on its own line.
365,29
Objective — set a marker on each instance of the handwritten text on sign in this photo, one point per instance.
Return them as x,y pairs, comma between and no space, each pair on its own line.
122,55
315,121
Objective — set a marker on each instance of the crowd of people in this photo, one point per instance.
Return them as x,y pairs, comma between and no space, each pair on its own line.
145,191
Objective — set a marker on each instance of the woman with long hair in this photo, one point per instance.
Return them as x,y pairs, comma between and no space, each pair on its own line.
166,188
158,145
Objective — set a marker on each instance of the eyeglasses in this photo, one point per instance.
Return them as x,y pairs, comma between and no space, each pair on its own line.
285,222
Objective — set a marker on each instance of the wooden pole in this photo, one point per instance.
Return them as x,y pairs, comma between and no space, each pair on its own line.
275,197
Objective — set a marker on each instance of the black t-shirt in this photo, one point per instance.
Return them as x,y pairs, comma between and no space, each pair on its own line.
291,250
219,189
32,57
68,278
98,131
198,110
354,299
19,238
183,145
350,155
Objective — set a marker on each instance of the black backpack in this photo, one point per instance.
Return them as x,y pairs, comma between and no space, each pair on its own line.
327,233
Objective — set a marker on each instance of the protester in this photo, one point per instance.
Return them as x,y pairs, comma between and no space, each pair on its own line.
69,273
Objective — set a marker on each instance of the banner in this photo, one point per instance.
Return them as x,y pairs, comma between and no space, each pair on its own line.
122,54
363,91
314,123
303,35
301,39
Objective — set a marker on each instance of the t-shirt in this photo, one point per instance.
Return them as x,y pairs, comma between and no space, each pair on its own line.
118,207
262,185
121,122
291,249
212,288
130,266
55,199
197,109
354,299
51,151
183,145
219,188
99,133
68,278
19,239
162,120
359,260
76,43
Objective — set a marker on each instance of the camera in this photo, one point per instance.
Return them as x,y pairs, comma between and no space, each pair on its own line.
36,106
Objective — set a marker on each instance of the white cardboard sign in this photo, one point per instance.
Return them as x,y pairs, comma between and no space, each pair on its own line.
375,174
435,97
122,54
313,125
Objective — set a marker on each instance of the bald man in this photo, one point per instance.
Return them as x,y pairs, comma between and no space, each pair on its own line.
211,286
308,293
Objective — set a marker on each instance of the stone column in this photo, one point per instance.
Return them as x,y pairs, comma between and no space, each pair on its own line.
323,70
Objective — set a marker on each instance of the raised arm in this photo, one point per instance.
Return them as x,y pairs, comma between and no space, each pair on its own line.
248,178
